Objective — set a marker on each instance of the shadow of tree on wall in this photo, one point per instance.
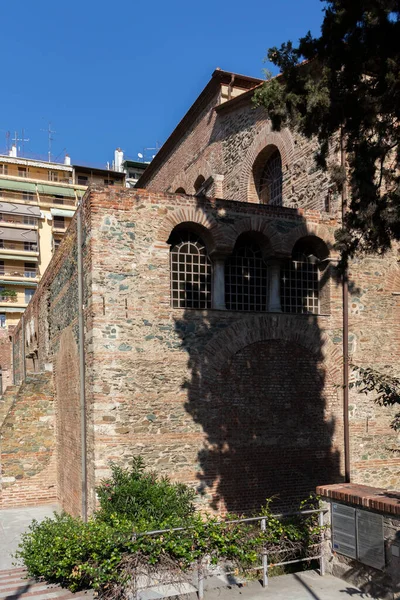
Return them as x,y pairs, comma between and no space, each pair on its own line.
268,403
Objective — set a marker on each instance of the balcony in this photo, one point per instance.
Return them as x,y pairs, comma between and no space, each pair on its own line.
12,247
16,221
52,201
17,273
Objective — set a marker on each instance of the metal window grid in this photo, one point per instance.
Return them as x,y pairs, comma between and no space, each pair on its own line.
271,181
300,286
190,273
246,280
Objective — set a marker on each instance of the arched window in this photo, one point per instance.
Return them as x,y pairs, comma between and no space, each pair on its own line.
180,190
246,277
190,271
198,183
270,181
305,279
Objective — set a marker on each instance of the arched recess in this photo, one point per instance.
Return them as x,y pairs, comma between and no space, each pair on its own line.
198,183
259,224
217,237
180,190
259,328
309,230
279,140
187,178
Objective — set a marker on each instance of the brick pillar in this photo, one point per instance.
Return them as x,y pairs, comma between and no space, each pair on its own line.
218,186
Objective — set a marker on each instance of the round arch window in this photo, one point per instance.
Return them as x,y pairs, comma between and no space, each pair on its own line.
270,182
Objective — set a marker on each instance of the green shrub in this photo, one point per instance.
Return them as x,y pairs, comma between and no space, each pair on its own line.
77,555
147,500
111,549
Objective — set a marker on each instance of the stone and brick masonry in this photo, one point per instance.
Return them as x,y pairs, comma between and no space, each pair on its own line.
240,405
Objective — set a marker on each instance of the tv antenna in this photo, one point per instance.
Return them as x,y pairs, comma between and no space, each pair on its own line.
49,132
22,139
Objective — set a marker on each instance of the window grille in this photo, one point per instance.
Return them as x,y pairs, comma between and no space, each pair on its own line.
270,188
246,279
190,272
300,286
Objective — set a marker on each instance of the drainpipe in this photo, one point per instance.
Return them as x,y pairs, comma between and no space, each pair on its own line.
345,296
81,337
23,370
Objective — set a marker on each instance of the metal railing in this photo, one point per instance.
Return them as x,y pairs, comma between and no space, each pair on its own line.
10,271
19,247
18,221
52,200
265,564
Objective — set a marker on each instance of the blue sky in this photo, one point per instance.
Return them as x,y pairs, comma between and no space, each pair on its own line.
123,74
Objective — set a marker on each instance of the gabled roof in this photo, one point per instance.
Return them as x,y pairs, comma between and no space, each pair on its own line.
218,78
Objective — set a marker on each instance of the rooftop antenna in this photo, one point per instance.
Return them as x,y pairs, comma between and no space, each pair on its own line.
16,139
8,135
49,131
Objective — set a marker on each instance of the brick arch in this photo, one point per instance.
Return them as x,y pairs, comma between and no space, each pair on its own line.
266,137
273,327
186,180
260,225
217,236
308,230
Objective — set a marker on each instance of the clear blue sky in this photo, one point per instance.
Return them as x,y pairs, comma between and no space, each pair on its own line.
108,74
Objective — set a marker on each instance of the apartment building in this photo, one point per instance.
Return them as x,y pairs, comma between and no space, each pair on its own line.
37,202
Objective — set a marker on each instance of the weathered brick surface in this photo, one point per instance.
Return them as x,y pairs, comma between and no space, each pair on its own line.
239,405
27,445
5,359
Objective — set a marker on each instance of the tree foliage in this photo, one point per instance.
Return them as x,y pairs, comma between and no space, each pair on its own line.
385,387
350,84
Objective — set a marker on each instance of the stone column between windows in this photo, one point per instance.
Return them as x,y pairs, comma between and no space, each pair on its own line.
218,283
274,276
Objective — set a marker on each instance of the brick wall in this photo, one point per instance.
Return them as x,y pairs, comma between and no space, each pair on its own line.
48,333
27,444
213,398
225,141
5,359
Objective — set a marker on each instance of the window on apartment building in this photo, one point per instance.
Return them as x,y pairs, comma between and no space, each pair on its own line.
52,176
22,172
2,289
2,320
190,271
267,173
108,182
2,267
83,180
58,200
56,244
246,277
1,243
305,279
28,197
3,169
30,246
30,269
59,223
28,294
28,220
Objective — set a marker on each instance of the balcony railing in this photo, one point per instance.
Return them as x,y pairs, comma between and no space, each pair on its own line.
28,272
39,176
18,247
59,201
23,222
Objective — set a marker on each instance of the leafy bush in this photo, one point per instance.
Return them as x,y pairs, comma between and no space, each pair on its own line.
147,500
111,551
75,554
